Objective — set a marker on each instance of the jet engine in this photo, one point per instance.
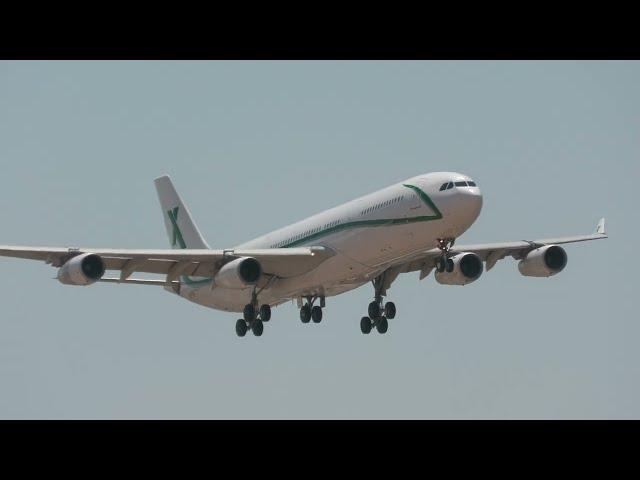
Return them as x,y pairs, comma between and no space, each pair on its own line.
239,273
460,269
83,269
543,262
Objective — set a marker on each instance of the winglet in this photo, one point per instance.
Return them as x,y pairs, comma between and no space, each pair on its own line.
600,228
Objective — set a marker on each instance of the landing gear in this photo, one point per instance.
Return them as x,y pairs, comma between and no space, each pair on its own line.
241,327
390,310
305,313
316,314
376,311
310,312
253,317
379,312
374,308
382,325
444,262
365,325
257,327
265,313
249,312
378,315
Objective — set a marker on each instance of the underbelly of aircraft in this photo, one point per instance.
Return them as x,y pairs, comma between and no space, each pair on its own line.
360,255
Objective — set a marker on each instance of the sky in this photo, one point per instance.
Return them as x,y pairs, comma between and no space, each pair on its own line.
254,146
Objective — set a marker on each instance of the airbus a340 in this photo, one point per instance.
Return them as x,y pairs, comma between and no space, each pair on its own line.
410,226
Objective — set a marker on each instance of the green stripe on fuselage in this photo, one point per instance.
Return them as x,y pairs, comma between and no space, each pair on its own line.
376,223
437,215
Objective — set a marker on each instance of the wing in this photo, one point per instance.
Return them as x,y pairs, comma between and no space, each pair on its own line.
492,252
279,262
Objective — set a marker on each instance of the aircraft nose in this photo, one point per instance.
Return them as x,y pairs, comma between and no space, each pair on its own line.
472,201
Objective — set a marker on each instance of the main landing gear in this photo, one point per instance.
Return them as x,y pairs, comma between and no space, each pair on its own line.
310,312
379,312
379,316
253,318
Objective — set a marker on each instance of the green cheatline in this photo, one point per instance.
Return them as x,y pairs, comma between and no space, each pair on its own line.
376,223
344,226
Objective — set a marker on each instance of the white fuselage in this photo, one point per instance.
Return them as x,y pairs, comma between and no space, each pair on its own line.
367,235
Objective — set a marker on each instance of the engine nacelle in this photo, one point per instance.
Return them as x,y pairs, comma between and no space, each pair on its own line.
239,273
83,269
543,262
461,269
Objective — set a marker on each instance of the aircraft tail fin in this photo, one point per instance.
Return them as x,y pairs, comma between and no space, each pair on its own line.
182,230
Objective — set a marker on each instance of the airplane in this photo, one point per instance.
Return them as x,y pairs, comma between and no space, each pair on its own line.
410,226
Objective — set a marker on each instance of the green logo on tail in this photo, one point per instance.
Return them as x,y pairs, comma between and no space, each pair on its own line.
177,234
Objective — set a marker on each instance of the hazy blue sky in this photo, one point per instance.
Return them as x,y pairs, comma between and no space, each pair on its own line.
253,146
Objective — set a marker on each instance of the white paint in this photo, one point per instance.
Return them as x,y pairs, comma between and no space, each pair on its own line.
361,252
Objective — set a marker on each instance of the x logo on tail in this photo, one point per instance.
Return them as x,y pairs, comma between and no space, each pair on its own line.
177,235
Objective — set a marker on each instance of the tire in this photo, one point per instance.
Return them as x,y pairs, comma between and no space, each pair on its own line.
316,314
390,310
382,325
249,312
440,266
265,313
305,314
374,310
365,325
241,328
257,327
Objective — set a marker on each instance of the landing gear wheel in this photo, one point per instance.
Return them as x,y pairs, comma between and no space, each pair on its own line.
382,325
365,325
257,327
265,313
241,328
305,314
441,265
316,314
249,312
390,310
449,265
374,309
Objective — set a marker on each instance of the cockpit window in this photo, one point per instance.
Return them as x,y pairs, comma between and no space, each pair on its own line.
448,185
